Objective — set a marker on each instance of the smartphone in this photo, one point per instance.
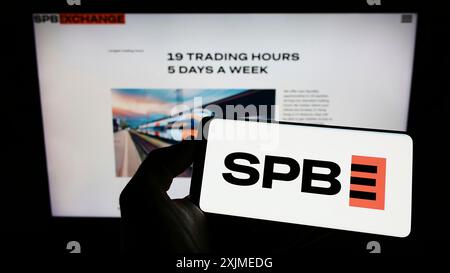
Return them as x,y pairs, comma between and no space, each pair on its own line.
322,176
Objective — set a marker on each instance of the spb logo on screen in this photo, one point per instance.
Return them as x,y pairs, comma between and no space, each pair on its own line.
367,179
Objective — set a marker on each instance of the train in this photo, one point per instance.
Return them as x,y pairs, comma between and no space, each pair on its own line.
184,125
176,128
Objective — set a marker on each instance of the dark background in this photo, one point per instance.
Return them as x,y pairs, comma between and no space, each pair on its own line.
26,218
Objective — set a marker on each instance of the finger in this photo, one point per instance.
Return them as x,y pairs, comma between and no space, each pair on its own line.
155,174
170,161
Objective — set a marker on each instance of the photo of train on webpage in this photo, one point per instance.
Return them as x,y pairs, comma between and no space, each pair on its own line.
147,119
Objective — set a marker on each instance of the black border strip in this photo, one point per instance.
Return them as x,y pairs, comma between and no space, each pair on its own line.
364,168
363,195
363,181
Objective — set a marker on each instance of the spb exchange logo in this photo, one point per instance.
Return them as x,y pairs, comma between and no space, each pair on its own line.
367,181
80,18
328,177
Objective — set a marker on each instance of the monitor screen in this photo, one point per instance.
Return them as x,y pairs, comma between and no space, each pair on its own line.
115,86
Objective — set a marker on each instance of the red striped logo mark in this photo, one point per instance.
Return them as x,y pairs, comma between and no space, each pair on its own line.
367,182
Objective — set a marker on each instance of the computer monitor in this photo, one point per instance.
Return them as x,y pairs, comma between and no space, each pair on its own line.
115,86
